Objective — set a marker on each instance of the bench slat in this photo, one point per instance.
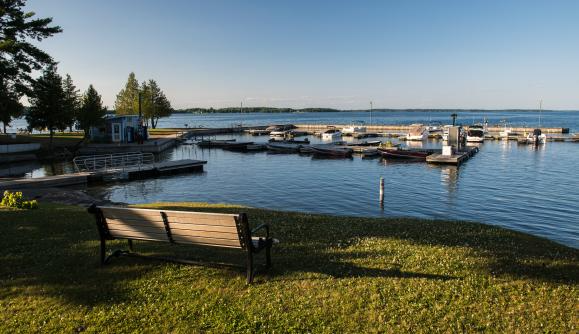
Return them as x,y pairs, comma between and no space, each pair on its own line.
181,217
138,235
204,234
202,219
174,226
206,241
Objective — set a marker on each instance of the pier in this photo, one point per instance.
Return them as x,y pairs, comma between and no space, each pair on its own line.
84,178
456,158
404,128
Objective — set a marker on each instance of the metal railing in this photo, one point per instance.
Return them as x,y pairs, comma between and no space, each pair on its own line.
112,162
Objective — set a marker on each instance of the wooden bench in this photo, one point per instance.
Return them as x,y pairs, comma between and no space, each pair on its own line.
180,227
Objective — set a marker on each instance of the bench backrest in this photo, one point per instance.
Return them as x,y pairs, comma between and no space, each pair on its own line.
182,227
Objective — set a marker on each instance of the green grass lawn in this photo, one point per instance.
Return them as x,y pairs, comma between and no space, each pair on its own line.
330,274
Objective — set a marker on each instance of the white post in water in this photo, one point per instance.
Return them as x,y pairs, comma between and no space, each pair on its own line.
381,190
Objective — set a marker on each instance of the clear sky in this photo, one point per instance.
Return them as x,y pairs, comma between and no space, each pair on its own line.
341,54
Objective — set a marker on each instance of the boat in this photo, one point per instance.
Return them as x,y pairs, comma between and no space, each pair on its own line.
256,147
331,134
435,128
215,143
365,151
396,153
290,141
367,143
417,132
354,130
475,134
535,138
237,146
332,150
280,130
283,147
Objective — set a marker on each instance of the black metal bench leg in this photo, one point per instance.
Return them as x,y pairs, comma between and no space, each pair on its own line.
103,251
249,267
130,244
268,256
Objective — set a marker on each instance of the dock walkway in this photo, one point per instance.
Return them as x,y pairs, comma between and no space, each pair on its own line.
455,159
84,178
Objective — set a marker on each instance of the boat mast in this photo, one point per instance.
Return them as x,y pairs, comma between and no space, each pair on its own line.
371,120
540,111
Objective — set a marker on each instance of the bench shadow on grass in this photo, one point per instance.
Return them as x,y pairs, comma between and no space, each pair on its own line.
61,257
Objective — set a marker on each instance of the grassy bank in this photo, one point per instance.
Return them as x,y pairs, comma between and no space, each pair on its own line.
331,274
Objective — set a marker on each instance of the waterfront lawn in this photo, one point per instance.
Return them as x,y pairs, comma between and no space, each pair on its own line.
331,274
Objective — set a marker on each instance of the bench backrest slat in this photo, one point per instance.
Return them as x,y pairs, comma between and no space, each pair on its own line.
185,227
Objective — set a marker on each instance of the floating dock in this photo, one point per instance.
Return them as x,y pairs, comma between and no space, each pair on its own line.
455,159
311,128
84,178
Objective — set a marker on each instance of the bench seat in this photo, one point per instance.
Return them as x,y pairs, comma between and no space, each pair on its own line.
181,227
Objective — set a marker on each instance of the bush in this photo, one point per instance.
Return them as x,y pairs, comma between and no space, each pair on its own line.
14,200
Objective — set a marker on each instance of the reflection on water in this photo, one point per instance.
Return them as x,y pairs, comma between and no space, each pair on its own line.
522,187
449,176
516,186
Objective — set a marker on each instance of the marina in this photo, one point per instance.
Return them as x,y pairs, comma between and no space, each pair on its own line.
252,170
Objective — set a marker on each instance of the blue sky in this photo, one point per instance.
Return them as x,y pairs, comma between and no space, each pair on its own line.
341,54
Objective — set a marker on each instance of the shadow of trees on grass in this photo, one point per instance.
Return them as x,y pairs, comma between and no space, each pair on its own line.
55,249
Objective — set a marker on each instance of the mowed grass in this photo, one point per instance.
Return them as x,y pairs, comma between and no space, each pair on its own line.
330,274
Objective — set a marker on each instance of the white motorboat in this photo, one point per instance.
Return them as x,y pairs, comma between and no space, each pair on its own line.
535,138
353,130
475,134
331,134
417,133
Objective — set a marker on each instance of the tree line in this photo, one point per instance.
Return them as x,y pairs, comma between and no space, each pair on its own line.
55,104
252,110
147,98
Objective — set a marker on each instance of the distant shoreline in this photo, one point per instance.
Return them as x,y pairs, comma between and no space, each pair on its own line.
271,110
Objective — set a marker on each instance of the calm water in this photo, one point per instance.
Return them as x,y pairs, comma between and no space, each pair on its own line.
568,119
518,187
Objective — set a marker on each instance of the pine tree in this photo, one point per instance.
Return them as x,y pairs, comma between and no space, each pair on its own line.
19,56
47,109
71,99
91,112
127,102
160,106
10,107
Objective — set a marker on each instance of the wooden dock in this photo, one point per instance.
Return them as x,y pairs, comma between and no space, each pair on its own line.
455,159
85,178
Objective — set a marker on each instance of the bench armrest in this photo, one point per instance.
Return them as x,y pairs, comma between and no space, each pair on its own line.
259,227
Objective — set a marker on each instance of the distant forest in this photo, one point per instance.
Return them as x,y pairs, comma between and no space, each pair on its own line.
251,109
292,110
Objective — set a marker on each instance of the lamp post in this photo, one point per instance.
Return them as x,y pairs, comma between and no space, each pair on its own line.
454,115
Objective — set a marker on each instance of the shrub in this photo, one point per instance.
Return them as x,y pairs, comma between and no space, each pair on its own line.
15,200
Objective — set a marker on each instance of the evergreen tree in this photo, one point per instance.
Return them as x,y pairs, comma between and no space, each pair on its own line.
47,102
127,102
71,99
10,107
160,106
146,102
91,112
19,57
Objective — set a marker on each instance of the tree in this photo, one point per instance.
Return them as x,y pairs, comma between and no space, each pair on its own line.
160,106
127,102
47,110
10,107
18,56
71,99
91,112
